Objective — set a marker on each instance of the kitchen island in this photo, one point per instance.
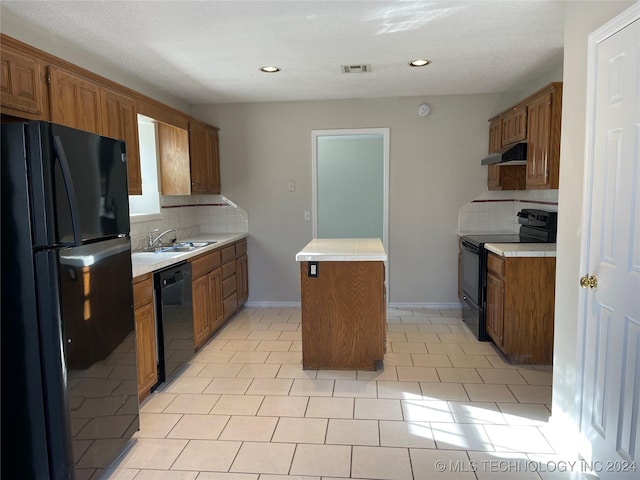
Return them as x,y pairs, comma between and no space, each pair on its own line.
343,299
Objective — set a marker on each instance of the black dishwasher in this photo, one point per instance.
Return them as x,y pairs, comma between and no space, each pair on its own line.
174,319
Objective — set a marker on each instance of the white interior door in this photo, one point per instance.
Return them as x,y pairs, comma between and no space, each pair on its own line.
610,257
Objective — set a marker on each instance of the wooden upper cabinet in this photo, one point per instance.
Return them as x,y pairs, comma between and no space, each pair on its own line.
23,85
74,100
514,125
537,121
204,157
120,120
173,155
543,151
214,141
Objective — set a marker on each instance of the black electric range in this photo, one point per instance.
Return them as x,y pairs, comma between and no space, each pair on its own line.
536,226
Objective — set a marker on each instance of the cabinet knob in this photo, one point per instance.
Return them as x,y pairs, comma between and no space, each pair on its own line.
589,281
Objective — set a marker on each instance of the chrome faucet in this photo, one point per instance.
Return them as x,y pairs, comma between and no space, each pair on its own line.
153,241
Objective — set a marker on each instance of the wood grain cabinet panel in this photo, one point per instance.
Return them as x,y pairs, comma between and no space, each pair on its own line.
536,120
543,150
120,120
74,100
207,296
23,85
495,309
520,307
514,125
343,315
204,158
145,320
202,310
173,155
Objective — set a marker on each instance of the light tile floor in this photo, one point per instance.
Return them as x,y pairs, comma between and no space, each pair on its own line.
445,406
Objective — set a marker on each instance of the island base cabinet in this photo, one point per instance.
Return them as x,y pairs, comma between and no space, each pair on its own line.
343,315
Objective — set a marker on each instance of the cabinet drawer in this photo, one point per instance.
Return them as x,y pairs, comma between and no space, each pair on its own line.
495,264
228,269
142,290
228,253
241,248
230,305
229,286
204,263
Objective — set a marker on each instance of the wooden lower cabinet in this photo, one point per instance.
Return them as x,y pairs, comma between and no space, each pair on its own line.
520,307
206,296
215,289
495,309
343,315
145,320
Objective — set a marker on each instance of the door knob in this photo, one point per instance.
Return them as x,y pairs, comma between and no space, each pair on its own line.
589,281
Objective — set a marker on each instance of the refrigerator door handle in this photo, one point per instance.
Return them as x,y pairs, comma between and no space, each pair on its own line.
70,191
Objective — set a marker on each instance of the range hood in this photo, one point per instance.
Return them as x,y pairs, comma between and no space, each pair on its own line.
512,155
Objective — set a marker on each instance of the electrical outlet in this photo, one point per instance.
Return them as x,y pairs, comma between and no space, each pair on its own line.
313,269
292,185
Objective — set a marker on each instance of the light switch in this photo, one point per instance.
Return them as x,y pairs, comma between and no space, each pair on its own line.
292,185
307,215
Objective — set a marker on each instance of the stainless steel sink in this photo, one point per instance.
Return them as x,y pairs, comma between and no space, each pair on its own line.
177,247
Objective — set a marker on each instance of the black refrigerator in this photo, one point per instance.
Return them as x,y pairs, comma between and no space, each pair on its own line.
69,391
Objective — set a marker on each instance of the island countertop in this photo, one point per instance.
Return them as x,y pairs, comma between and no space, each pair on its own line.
343,250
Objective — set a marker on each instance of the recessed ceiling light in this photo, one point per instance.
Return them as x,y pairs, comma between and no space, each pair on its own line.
269,69
420,62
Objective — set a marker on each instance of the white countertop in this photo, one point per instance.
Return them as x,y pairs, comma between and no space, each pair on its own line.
145,262
342,250
522,249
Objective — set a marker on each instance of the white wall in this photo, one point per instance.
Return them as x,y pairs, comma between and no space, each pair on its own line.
434,170
579,22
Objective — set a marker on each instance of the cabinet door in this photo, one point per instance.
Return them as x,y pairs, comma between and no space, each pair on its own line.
242,277
538,148
201,310
215,299
214,144
120,120
173,154
22,85
146,348
205,163
495,143
200,173
514,125
74,101
495,309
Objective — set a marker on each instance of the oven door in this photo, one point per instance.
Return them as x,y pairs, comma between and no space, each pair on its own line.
470,272
471,282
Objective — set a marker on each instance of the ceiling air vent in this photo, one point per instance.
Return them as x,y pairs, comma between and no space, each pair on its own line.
364,68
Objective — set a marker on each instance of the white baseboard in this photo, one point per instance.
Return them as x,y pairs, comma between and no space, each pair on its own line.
398,305
272,304
426,305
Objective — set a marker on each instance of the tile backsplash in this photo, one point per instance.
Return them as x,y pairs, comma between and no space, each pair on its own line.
495,210
191,215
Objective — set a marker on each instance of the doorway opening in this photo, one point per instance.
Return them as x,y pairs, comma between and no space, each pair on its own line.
350,184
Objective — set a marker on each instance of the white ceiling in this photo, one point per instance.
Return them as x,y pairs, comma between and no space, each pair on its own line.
210,51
